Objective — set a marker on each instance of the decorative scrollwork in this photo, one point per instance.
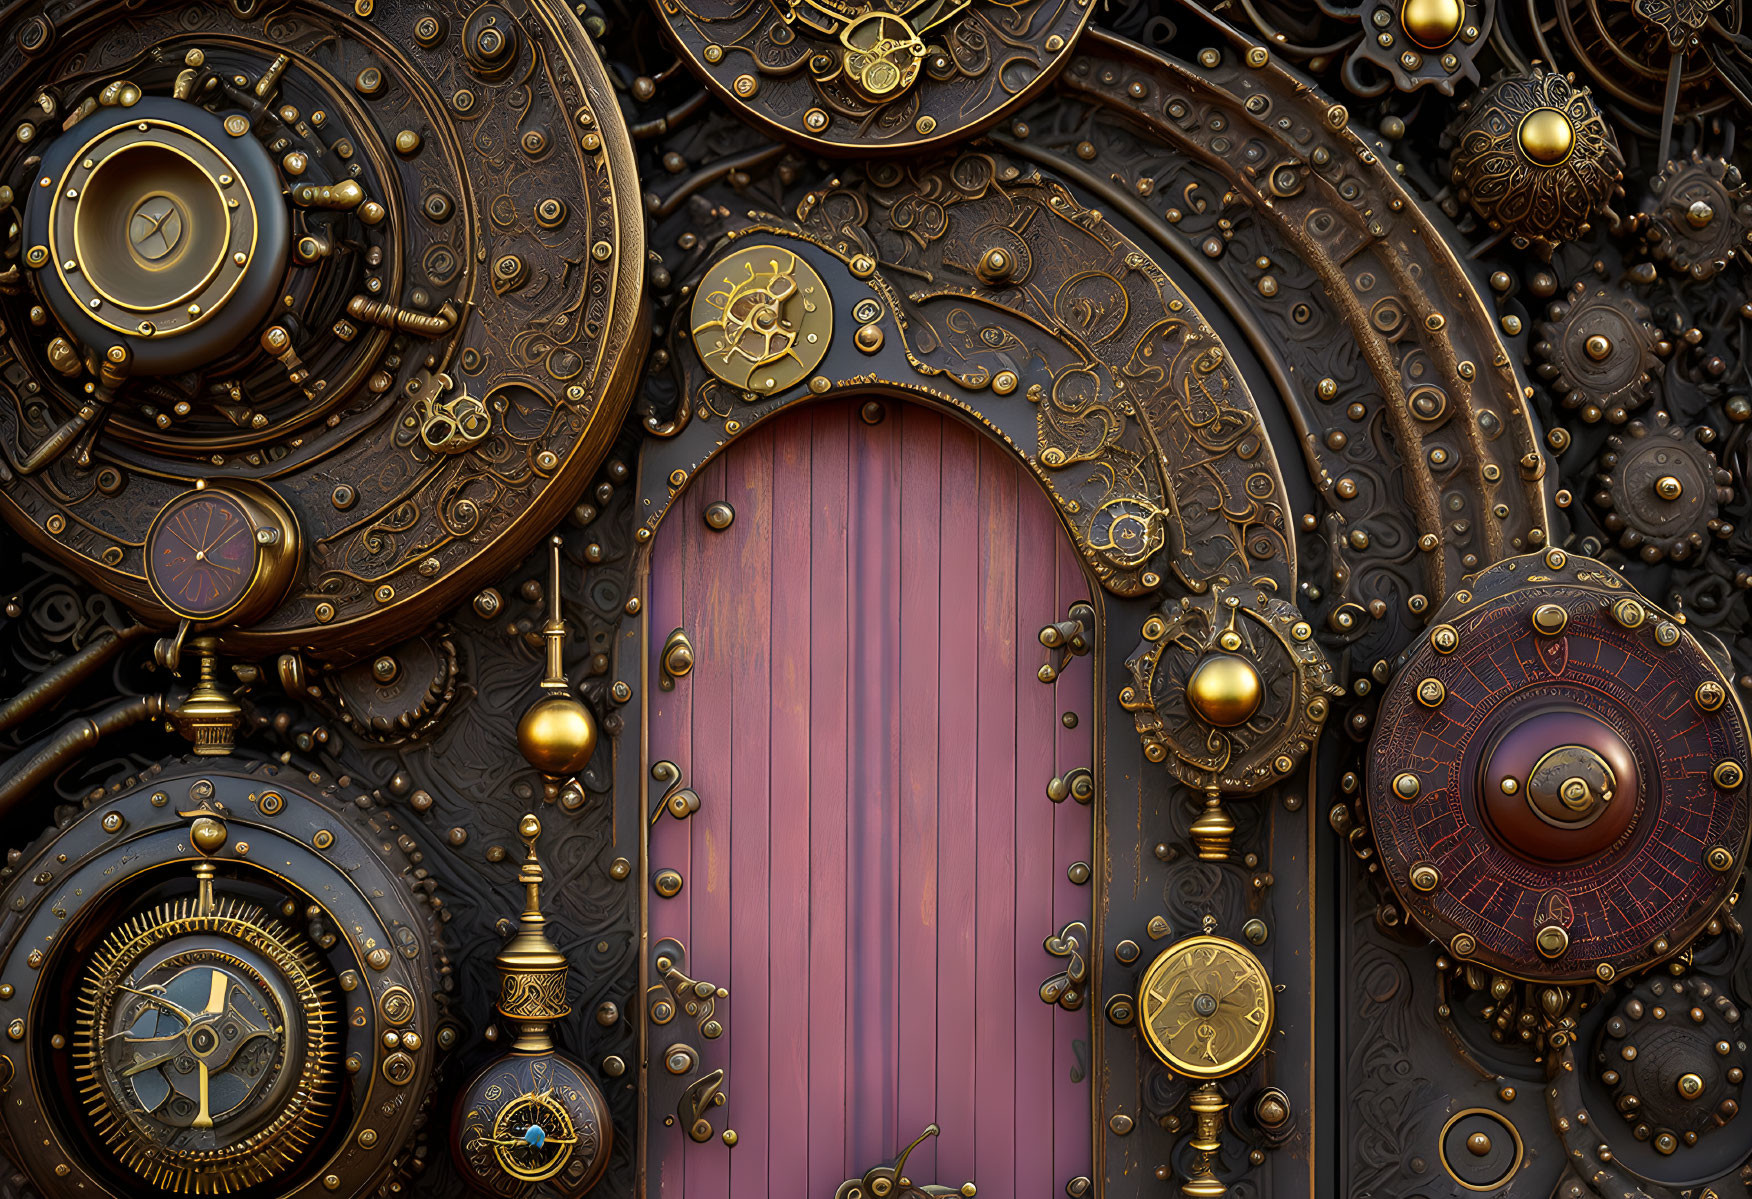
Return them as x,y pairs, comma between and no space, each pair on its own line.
1069,987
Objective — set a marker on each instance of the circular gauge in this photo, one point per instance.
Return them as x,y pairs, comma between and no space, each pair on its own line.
1557,789
222,551
1205,1006
532,1117
533,1137
762,319
221,983
208,1028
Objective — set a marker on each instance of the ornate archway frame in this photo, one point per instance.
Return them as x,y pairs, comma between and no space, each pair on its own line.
922,313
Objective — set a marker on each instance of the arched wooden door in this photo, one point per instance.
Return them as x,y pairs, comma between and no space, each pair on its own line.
875,861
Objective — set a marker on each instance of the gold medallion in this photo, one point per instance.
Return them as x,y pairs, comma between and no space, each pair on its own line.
1205,1006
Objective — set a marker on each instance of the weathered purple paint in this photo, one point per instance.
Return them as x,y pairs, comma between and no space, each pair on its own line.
875,861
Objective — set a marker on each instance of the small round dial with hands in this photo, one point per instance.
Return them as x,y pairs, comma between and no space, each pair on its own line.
1205,1006
221,552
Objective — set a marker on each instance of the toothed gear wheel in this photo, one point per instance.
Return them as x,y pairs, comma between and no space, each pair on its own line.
1702,215
1661,491
1598,352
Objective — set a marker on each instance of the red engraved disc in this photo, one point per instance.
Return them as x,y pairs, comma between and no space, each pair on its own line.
1557,786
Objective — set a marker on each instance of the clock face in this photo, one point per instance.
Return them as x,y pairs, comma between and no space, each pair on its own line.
1205,1006
533,1137
201,554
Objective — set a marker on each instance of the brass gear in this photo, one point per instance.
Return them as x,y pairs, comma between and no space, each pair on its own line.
189,1006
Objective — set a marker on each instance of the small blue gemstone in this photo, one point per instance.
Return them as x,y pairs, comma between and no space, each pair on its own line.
535,1135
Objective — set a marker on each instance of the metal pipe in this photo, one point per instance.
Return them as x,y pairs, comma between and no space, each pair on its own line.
75,738
68,673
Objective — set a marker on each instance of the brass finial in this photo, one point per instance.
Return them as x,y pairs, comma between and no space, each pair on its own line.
208,717
532,970
557,735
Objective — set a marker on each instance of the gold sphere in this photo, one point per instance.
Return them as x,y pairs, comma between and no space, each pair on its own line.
1669,488
208,834
1432,24
529,828
1478,1143
1546,136
1225,690
557,735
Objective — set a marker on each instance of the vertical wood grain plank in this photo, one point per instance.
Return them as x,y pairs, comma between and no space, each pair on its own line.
872,865
958,787
748,544
1036,725
920,554
830,502
791,988
995,1033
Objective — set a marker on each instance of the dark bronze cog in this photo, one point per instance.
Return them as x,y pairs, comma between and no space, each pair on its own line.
1661,491
1701,215
1673,1056
1598,351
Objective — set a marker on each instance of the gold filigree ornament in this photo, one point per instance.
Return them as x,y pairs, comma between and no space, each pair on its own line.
205,1045
1535,159
762,319
882,55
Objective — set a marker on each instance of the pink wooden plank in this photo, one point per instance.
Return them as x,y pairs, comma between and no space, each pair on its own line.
749,488
1037,541
958,785
921,454
792,983
670,737
995,1033
829,632
707,890
873,827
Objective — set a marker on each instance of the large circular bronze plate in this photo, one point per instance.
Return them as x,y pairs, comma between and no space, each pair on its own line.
857,77
1557,784
382,262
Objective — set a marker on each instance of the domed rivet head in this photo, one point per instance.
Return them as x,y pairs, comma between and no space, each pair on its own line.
1546,136
667,883
1406,786
1719,859
718,516
1463,945
1121,1124
619,869
1431,693
1509,785
1556,560
1255,931
1598,347
1710,695
112,822
378,959
1729,775
1549,619
868,338
1629,614
1605,972
1425,877
1478,1144
1666,634
207,834
1225,690
1689,1085
1665,1142
1668,487
1699,215
1552,941
1445,638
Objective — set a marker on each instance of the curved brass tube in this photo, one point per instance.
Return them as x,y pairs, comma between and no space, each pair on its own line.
76,737
67,674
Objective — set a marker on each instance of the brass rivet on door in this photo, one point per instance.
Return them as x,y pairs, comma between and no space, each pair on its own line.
719,515
1121,1124
667,883
1078,873
619,868
873,413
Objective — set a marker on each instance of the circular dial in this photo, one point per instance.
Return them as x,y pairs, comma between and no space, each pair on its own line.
226,551
533,1137
209,1030
762,319
1557,779
1205,1006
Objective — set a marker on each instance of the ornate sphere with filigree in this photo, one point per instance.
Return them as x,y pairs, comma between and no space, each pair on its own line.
1661,491
1701,215
1598,352
532,1119
1534,156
